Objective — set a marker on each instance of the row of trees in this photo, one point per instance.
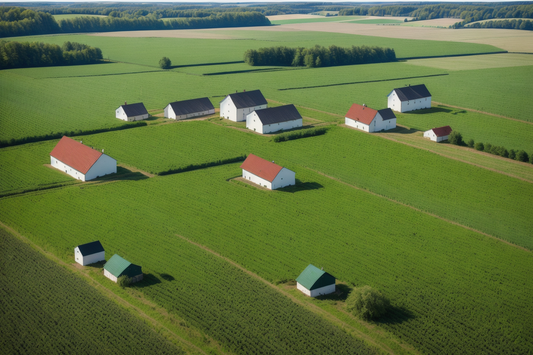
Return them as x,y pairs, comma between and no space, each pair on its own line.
318,56
516,24
38,54
19,22
520,155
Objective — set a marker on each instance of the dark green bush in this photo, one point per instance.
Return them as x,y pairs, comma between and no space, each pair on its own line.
367,303
522,156
455,138
479,146
124,281
470,143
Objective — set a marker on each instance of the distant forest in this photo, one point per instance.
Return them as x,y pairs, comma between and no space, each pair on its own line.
17,21
37,54
318,56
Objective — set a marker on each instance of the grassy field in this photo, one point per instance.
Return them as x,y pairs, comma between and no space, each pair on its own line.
47,309
425,265
501,60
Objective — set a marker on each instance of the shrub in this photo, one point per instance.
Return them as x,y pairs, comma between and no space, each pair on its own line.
455,138
367,303
165,63
522,156
504,153
479,146
470,143
124,281
303,133
512,154
488,147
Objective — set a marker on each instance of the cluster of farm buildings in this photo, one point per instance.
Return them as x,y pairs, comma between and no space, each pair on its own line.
85,163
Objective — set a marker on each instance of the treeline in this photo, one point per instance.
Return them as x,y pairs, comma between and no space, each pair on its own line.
520,155
469,13
508,24
303,133
20,22
318,56
38,54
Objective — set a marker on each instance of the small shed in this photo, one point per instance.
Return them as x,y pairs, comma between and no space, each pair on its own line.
117,266
369,120
181,110
79,161
132,112
274,119
89,253
409,98
267,174
236,107
438,134
315,282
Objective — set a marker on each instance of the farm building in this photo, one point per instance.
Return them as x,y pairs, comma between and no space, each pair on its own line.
117,266
370,120
132,112
409,98
266,174
80,161
274,119
89,253
315,282
438,134
181,110
236,106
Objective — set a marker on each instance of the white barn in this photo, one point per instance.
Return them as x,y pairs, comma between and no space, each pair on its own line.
370,120
132,112
181,110
274,119
117,266
409,98
79,161
438,134
89,253
236,107
315,282
267,174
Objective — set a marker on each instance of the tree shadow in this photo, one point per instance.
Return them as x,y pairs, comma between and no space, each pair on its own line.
167,277
204,64
341,293
147,281
301,186
395,315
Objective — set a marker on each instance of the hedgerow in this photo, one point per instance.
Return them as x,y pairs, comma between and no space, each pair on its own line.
287,136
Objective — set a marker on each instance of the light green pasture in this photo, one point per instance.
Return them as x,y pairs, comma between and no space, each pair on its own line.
443,280
487,61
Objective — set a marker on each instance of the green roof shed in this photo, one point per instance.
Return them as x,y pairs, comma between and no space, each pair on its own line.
313,281
118,266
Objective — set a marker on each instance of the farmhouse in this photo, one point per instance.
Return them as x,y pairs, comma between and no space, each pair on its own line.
133,112
117,266
315,282
89,253
274,119
266,174
438,134
181,110
409,98
370,120
236,106
80,161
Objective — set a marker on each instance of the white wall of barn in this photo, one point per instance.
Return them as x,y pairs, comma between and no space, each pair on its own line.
284,178
431,135
229,111
58,164
275,127
317,292
394,103
121,114
88,259
256,179
104,165
110,276
356,124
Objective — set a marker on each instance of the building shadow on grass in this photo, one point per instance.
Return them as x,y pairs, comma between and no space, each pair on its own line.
340,294
98,265
167,277
147,281
436,109
123,174
301,186
395,315
402,130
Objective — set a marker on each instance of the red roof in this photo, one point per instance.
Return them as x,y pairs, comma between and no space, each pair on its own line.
362,114
261,167
442,131
75,154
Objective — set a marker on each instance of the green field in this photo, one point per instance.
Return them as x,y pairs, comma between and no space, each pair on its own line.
316,19
47,309
377,21
71,16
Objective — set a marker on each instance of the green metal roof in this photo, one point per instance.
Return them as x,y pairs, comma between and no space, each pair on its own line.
312,278
118,266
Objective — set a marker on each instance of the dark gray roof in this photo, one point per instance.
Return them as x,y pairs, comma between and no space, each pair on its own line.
248,99
132,110
278,114
412,92
91,248
186,107
387,114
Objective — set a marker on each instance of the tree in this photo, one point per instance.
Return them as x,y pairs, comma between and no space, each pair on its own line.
512,154
165,63
479,146
522,156
455,138
367,303
470,143
124,281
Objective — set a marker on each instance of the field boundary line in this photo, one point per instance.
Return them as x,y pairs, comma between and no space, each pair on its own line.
417,209
104,291
483,112
313,308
